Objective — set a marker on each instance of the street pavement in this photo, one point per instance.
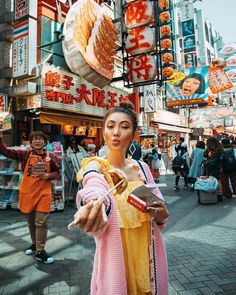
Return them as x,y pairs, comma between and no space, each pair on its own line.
200,242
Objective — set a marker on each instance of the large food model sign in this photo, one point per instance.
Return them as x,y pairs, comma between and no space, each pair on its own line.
90,42
148,48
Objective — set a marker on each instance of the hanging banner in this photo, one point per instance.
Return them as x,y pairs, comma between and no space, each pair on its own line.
190,87
150,98
209,117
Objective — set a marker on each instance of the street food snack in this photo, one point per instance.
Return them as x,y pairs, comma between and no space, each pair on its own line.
117,176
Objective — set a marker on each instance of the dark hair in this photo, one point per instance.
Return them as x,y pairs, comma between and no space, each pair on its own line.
38,134
200,78
225,142
181,139
201,145
125,107
213,144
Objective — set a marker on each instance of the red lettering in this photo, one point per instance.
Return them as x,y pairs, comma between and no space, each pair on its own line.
137,39
83,92
67,82
141,65
51,95
136,11
52,79
98,97
111,100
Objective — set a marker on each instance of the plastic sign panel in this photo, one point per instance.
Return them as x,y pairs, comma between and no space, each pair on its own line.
25,48
24,8
188,27
150,97
189,87
3,102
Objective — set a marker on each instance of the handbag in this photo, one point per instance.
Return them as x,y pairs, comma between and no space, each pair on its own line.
208,184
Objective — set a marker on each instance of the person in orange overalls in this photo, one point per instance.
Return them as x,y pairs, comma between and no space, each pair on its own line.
35,192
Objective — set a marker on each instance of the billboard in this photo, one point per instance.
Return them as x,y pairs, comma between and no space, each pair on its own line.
210,117
188,87
188,27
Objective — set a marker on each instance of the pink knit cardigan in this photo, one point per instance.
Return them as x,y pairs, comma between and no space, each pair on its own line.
108,276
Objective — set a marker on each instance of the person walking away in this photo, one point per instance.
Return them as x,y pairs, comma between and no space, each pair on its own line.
155,162
181,167
130,255
35,192
228,172
134,150
212,164
196,160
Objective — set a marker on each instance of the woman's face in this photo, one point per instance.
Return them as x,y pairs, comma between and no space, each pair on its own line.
118,131
190,86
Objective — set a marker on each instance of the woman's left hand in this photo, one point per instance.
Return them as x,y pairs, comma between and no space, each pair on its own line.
158,211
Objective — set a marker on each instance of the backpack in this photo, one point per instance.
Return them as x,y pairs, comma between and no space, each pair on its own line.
177,163
229,160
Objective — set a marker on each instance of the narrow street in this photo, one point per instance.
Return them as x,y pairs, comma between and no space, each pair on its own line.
200,243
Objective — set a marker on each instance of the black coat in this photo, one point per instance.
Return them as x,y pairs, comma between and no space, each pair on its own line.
212,165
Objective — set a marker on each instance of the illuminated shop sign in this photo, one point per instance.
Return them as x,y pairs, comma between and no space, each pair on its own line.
3,102
147,42
65,91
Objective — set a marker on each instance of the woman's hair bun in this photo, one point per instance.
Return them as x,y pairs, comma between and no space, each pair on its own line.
126,104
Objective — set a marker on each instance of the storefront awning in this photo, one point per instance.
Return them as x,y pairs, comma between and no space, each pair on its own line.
173,128
70,119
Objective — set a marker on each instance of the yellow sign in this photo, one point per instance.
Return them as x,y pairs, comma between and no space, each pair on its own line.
176,77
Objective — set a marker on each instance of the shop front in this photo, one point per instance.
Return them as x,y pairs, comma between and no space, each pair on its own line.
67,106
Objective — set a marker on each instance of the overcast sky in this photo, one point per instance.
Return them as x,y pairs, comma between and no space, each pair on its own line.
222,15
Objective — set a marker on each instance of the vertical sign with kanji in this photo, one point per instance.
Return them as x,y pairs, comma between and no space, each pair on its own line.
3,100
21,8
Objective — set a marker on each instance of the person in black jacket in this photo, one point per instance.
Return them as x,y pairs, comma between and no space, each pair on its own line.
182,151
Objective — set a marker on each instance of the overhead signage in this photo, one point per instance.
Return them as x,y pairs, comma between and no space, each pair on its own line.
24,8
90,42
190,60
150,97
25,48
188,27
63,90
191,89
3,102
187,11
189,43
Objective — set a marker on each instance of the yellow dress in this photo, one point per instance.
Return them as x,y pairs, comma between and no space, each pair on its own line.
135,234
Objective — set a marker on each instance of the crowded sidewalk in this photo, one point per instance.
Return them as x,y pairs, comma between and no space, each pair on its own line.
200,242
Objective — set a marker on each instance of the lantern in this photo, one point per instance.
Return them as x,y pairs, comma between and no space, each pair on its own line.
164,4
167,57
164,16
166,43
165,31
167,72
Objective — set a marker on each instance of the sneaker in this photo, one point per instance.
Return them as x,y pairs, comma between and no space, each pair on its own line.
176,188
185,186
31,250
44,257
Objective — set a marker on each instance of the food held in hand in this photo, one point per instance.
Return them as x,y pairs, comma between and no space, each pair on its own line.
164,4
164,16
167,57
165,31
167,72
166,43
118,175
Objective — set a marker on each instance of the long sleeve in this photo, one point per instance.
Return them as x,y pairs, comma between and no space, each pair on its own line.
13,154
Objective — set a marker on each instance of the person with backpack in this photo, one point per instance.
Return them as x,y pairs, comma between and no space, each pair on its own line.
228,172
180,163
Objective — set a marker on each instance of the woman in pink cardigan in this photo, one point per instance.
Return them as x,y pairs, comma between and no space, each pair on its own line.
130,253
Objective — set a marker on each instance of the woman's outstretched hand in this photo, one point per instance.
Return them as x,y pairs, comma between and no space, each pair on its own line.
158,211
91,217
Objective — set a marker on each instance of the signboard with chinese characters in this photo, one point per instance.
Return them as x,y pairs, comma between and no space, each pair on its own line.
191,89
189,43
188,27
24,8
190,60
25,48
219,81
187,11
3,102
148,39
63,90
149,92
